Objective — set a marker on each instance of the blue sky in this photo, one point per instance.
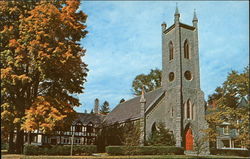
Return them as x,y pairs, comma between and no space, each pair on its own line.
124,40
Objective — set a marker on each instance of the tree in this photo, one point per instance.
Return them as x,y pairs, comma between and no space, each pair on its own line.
199,144
235,87
161,136
226,99
122,100
150,81
41,64
105,108
130,137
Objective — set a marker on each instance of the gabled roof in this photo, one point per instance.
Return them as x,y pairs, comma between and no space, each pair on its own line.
243,102
130,109
86,118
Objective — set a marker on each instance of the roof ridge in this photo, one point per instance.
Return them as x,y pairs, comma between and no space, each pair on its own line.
139,96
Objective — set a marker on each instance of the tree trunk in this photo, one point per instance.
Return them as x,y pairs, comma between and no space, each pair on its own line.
11,143
19,141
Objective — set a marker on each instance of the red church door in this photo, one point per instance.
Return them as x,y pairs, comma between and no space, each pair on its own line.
189,140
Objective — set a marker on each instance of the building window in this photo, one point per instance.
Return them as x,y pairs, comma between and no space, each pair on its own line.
186,50
188,75
78,128
89,129
172,111
188,110
226,130
171,76
171,51
153,128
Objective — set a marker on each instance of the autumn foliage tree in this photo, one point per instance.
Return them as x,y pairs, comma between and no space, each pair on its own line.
41,64
226,99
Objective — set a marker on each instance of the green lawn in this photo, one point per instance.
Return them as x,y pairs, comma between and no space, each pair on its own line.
104,156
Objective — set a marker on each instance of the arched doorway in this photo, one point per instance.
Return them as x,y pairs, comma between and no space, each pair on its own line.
189,139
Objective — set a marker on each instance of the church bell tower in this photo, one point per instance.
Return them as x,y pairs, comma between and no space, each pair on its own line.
181,80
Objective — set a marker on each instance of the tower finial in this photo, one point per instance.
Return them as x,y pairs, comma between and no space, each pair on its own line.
176,9
177,14
195,17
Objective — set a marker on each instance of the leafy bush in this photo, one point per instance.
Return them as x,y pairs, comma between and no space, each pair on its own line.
31,150
59,150
161,136
230,152
4,146
145,150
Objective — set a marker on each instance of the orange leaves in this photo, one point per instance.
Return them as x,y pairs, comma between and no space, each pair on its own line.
5,72
13,43
20,78
67,54
43,115
41,58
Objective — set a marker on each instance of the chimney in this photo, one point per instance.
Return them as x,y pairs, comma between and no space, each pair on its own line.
213,104
96,106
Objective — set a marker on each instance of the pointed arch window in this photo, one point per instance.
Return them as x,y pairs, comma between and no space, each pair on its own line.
172,111
188,109
186,49
171,51
153,128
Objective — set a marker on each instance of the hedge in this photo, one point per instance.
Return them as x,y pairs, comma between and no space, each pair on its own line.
59,150
144,150
227,152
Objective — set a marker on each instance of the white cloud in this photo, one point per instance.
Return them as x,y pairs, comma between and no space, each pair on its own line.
124,40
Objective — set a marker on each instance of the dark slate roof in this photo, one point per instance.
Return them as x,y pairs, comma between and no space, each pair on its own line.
86,118
130,109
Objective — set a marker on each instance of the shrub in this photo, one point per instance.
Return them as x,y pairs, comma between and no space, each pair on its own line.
145,150
59,150
245,153
31,150
4,146
161,136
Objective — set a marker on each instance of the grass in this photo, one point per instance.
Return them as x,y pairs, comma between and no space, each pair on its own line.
105,156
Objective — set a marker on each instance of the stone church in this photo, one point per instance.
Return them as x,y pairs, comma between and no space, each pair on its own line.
179,102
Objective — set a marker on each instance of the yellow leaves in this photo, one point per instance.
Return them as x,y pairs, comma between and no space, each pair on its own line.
67,55
5,114
5,72
20,78
38,37
17,120
43,115
43,55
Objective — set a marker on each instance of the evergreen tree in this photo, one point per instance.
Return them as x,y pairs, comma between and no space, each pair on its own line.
92,111
105,108
161,136
122,100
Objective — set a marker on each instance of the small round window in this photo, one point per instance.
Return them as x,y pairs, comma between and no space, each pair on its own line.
171,76
188,75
